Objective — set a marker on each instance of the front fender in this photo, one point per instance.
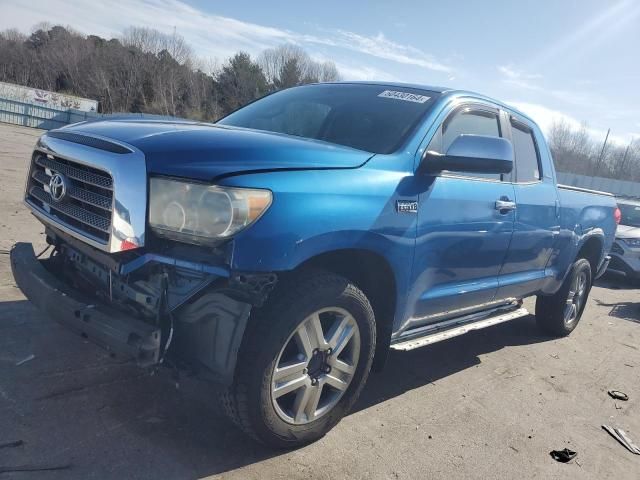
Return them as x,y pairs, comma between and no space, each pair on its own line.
287,252
319,212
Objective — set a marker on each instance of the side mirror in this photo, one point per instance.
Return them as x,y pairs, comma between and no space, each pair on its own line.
472,153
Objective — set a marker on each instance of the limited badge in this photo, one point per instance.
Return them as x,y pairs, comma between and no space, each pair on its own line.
407,206
405,96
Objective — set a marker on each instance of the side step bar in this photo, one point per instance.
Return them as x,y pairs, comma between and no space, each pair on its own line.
439,334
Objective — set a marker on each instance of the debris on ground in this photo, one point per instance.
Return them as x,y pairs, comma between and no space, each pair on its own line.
154,420
618,395
17,443
33,468
25,360
563,456
621,436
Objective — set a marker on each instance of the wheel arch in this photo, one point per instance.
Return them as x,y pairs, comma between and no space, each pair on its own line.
371,273
590,245
592,249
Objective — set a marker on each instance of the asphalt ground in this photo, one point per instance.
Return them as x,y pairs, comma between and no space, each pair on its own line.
490,404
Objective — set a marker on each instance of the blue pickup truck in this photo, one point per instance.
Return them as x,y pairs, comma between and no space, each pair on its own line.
283,251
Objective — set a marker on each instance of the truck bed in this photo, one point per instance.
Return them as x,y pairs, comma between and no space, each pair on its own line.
585,190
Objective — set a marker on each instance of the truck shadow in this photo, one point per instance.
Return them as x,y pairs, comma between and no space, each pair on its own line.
629,311
406,371
112,420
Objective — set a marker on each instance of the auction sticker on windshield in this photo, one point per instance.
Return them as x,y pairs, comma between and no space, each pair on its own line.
407,97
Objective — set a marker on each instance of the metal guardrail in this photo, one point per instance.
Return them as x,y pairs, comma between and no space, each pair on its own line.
38,116
47,118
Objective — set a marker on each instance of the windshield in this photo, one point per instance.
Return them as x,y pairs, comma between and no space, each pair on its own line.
630,214
374,118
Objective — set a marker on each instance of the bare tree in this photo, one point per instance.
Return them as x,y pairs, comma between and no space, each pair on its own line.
289,65
575,150
572,149
328,72
145,70
14,35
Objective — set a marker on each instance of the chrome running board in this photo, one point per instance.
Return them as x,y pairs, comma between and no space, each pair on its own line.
440,332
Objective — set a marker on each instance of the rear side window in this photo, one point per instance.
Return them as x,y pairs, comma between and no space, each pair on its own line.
470,122
526,153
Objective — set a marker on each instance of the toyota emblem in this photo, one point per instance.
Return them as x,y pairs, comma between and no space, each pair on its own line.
57,186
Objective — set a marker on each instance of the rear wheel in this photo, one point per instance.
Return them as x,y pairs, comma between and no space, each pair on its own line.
304,360
560,313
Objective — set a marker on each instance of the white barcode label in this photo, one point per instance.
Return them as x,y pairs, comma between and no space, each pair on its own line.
407,97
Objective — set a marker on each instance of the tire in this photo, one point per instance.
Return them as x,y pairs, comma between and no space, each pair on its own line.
559,314
275,337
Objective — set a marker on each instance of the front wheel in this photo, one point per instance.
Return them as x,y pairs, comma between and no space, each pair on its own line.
304,360
560,313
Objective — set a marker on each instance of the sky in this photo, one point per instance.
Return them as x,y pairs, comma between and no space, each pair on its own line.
571,59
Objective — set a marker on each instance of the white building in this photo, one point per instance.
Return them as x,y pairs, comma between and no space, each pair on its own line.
45,98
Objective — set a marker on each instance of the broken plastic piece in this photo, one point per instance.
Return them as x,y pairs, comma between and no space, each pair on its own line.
33,468
563,456
618,395
25,360
623,438
17,443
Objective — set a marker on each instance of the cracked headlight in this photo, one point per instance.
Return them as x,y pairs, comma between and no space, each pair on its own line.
201,214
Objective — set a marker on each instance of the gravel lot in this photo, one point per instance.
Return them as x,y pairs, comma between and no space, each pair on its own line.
491,404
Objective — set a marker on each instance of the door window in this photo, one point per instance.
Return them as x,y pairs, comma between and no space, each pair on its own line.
467,121
526,153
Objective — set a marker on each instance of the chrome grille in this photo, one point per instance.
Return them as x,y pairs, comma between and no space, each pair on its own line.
87,196
87,205
85,175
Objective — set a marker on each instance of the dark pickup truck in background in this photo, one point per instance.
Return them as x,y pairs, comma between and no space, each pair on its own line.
284,250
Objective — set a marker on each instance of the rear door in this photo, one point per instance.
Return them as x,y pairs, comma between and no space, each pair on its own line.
537,214
462,238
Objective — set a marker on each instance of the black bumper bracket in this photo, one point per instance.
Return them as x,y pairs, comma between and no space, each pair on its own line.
123,335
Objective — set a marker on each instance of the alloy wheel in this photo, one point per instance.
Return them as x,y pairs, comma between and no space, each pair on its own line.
576,298
315,366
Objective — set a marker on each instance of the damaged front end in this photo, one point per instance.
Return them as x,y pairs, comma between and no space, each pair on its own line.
142,305
127,270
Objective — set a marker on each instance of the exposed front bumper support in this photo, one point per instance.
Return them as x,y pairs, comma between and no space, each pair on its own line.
120,334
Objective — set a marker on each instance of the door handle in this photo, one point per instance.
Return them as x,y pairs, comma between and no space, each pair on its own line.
505,205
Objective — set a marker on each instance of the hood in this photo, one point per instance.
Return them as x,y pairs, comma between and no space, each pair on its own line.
625,231
205,151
